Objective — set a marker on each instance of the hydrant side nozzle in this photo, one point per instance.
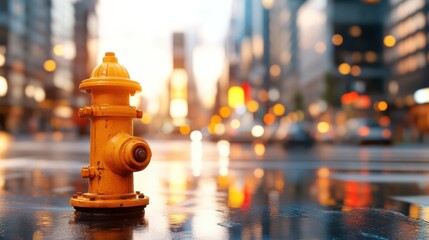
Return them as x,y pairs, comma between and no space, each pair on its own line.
125,154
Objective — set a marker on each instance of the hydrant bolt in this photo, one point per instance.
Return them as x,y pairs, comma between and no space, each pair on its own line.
139,114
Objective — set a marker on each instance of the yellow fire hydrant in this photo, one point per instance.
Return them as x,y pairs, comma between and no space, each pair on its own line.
114,152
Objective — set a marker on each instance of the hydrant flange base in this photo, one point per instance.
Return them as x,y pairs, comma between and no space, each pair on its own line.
85,202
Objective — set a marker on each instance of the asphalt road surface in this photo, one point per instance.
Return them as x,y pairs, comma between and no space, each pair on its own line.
222,190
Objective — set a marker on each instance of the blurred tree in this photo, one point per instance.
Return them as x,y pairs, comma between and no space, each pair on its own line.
332,93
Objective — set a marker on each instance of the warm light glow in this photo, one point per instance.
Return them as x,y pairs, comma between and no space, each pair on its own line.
39,94
225,112
257,131
219,129
357,57
207,64
337,39
216,119
5,140
58,50
184,130
267,4
371,56
323,127
3,86
50,65
223,147
278,109
386,133
355,31
320,47
381,106
196,135
355,70
146,119
2,60
349,98
258,173
344,68
275,70
179,79
364,131
422,96
389,41
384,121
235,197
63,111
269,118
323,172
257,45
235,96
252,106
235,123
263,95
178,108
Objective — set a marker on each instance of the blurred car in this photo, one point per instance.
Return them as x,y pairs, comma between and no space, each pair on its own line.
365,131
298,134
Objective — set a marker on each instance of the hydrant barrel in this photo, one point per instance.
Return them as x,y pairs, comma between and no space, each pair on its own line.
115,154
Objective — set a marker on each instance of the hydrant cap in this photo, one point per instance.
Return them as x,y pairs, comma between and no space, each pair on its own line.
110,73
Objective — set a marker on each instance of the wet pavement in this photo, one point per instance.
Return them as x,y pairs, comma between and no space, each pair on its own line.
209,190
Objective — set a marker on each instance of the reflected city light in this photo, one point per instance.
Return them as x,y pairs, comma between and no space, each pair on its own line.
235,196
224,149
5,140
196,152
196,157
3,86
2,60
259,149
176,183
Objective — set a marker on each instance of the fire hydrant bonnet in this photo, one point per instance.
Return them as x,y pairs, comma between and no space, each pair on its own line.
110,74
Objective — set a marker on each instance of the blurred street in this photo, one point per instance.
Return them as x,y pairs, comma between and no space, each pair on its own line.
221,190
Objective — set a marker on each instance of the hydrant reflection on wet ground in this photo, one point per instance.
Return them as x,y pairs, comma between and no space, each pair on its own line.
114,152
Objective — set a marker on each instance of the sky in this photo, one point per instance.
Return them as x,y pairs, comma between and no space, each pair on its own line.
139,32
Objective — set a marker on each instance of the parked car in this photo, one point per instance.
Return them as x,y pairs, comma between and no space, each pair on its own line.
298,134
366,131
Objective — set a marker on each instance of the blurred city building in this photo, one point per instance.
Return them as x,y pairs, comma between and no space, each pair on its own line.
406,57
36,65
26,65
85,39
341,52
284,69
